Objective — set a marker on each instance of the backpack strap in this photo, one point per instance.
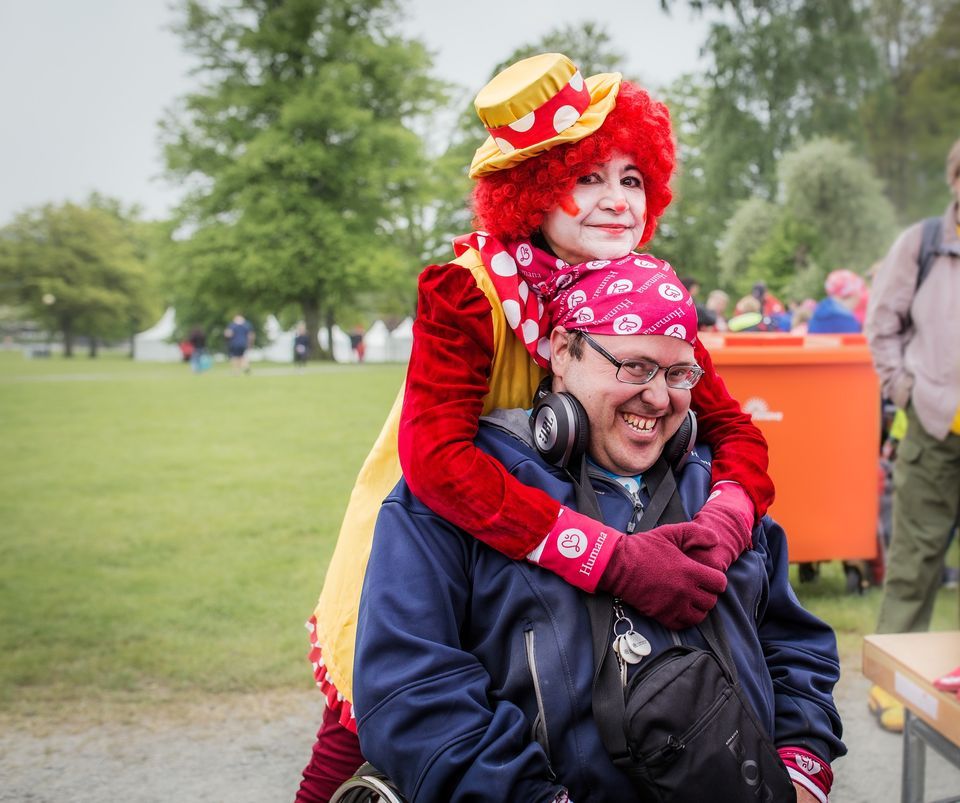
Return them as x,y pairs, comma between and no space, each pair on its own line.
608,692
929,248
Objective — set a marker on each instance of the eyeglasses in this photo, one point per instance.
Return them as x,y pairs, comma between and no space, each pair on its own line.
682,376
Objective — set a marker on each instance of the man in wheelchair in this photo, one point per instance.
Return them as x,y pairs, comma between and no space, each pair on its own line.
482,678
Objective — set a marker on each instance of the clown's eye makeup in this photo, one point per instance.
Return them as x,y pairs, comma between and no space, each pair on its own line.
632,180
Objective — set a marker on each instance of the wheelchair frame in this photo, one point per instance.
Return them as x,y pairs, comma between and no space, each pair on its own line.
369,785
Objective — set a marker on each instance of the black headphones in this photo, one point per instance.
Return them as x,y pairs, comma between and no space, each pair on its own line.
561,430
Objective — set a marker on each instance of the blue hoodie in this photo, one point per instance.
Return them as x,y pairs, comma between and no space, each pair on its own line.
473,672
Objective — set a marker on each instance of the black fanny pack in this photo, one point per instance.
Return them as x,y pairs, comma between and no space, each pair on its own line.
691,736
681,730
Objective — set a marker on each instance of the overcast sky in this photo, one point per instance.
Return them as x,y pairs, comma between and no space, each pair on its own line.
84,82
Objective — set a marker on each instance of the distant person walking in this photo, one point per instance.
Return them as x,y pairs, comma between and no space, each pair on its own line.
239,335
357,344
301,345
199,359
914,333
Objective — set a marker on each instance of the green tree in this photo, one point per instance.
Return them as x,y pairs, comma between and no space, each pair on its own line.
782,72
830,213
309,172
912,118
750,227
79,270
688,232
587,44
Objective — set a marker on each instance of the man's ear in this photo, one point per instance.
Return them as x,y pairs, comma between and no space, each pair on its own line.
559,352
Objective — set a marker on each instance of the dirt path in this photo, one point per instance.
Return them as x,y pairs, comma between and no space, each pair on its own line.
239,749
248,749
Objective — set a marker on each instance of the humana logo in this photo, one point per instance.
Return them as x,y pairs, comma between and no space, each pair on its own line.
759,410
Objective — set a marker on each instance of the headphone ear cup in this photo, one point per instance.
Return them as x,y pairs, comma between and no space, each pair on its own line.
678,448
560,429
543,390
581,430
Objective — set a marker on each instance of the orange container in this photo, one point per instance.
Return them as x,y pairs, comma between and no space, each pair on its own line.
816,399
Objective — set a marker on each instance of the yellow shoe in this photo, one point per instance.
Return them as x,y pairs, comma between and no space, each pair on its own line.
887,709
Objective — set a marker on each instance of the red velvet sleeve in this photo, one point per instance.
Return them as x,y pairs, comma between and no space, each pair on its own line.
739,448
447,380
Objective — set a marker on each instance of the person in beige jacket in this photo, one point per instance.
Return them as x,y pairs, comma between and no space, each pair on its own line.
914,336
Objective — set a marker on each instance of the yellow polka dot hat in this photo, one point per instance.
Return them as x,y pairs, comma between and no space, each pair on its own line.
536,104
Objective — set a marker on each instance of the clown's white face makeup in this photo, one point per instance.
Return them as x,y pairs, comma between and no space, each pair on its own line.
604,217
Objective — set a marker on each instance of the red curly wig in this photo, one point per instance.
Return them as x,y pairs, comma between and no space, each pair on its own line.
510,204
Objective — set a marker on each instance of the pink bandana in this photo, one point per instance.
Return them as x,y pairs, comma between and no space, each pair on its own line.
634,295
637,290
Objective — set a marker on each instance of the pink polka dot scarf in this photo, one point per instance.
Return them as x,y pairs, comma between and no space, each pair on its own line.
521,273
635,294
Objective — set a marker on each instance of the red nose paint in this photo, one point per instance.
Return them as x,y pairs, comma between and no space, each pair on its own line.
620,206
568,205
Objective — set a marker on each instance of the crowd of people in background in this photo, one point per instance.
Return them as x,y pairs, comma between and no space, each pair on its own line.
239,337
842,310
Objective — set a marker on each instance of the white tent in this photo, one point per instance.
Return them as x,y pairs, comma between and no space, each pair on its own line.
401,341
376,342
342,352
279,347
153,344
382,345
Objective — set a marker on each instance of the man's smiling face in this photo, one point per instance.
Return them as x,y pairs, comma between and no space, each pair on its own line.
629,424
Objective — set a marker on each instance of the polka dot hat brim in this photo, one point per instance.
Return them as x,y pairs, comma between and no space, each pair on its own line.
548,126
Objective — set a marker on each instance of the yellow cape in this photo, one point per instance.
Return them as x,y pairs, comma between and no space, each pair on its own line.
513,379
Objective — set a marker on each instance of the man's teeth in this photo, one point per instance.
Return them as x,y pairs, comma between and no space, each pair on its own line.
638,423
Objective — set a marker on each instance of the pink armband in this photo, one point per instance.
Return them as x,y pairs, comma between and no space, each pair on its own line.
807,770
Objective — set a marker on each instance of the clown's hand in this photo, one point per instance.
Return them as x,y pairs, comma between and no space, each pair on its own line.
647,570
650,573
719,532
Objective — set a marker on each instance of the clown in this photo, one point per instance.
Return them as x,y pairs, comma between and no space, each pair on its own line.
575,171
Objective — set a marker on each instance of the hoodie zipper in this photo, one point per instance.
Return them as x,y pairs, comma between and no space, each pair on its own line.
635,517
529,639
634,498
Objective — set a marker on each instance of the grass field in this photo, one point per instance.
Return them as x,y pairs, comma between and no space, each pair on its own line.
162,532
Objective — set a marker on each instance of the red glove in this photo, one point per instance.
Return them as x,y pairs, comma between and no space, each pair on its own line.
577,548
646,570
721,530
650,573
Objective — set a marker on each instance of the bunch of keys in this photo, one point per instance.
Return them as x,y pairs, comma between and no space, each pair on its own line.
630,646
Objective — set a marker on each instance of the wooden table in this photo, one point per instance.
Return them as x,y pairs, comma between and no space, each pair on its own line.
905,665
